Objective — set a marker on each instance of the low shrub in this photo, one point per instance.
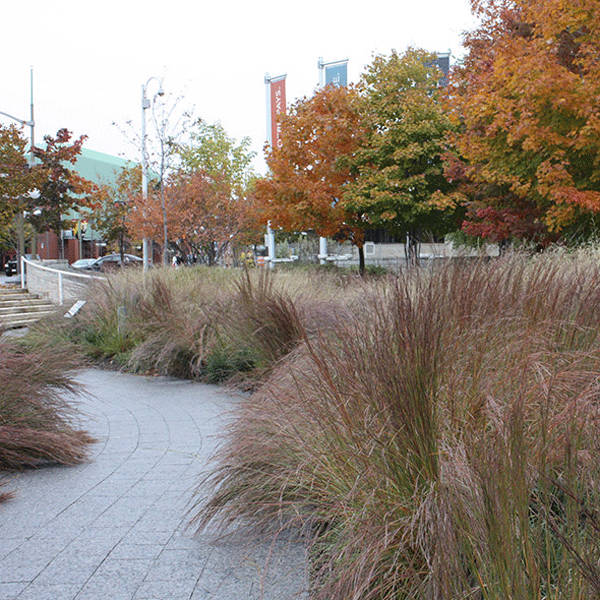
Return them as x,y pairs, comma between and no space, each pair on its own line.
224,362
440,441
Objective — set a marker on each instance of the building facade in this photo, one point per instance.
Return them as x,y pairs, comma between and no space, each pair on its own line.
79,238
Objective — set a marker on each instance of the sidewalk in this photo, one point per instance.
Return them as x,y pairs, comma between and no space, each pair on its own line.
12,280
115,528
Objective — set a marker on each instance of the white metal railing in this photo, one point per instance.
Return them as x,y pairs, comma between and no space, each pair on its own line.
60,275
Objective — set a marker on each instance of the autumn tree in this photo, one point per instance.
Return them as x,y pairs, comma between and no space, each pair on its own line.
399,179
145,217
206,196
114,202
16,176
217,155
525,101
204,218
210,217
17,181
169,124
61,188
310,170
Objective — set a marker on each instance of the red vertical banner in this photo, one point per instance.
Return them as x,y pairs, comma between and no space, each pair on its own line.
278,107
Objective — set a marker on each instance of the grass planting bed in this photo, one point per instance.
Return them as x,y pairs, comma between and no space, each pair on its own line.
434,435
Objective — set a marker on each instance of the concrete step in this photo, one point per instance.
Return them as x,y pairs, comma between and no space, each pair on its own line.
17,323
22,320
19,308
25,308
25,301
30,314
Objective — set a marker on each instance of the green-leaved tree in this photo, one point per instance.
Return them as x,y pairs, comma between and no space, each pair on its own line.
211,151
398,169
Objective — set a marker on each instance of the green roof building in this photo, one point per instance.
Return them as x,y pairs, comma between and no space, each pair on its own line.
102,169
99,167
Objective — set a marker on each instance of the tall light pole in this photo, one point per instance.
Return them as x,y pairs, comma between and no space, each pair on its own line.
31,125
145,105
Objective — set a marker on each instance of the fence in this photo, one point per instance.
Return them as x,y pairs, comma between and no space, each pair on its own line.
55,284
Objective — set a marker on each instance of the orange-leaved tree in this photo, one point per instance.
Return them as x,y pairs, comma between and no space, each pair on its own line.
309,171
61,187
204,217
144,216
526,101
208,219
207,201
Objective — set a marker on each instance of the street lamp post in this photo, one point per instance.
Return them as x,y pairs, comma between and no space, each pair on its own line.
121,205
145,105
31,125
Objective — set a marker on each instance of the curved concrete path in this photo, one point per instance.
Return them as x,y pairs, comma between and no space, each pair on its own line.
114,528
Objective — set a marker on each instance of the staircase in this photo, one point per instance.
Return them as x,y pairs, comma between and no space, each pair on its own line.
19,308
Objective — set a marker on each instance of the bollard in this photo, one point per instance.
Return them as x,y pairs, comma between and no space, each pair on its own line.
60,288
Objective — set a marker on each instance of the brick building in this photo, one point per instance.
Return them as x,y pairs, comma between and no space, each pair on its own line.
82,241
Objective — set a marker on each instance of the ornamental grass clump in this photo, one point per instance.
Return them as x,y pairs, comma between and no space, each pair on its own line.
200,323
270,315
37,422
176,320
439,441
163,322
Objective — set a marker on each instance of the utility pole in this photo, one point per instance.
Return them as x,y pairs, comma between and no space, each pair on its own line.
31,157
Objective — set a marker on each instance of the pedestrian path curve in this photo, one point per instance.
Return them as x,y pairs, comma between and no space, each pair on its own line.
114,528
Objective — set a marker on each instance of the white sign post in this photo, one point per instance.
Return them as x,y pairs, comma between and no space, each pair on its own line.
330,73
276,105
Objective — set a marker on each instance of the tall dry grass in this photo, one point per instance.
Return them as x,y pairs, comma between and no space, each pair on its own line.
440,440
36,420
201,323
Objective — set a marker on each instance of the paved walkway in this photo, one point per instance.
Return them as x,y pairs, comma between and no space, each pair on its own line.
115,528
13,279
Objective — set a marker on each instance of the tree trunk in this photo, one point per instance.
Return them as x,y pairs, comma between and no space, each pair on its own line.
361,260
163,204
121,247
211,254
165,231
412,249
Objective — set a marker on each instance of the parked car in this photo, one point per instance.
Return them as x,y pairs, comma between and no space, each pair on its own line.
10,267
113,261
83,263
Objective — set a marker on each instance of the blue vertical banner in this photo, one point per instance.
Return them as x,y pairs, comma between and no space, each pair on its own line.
443,64
337,75
333,73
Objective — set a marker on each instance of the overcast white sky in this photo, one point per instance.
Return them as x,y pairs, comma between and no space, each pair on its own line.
91,58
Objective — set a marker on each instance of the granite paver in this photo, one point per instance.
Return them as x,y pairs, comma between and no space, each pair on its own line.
117,526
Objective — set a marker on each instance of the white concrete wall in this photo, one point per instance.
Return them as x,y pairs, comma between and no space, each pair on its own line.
441,250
